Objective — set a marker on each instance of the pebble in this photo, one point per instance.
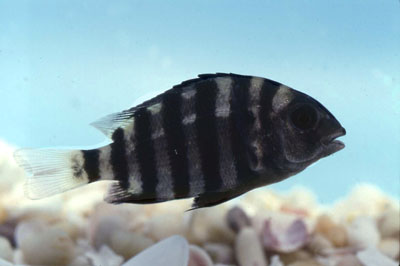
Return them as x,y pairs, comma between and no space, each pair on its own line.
319,244
3,214
348,260
128,244
104,257
42,244
220,253
363,232
6,251
309,262
248,249
237,219
389,224
102,228
390,247
299,255
333,232
162,226
209,225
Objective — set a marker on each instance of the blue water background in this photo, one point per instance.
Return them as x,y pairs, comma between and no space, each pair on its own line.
64,64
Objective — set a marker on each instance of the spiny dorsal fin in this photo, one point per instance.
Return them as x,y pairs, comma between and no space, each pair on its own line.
111,122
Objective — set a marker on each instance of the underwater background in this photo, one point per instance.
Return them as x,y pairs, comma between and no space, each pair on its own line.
64,64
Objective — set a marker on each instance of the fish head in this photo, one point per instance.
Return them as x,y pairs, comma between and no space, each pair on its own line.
307,131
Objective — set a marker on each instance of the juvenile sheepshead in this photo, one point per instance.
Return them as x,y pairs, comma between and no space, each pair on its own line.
212,138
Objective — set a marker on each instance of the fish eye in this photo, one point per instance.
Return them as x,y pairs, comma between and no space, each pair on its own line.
304,117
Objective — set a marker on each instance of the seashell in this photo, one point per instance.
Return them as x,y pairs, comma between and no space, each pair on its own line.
198,257
6,251
163,226
363,232
237,219
44,245
248,248
275,237
5,263
220,253
128,244
104,257
390,247
372,257
333,232
389,224
276,261
171,251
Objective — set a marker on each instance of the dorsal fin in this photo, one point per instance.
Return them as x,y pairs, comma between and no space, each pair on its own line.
108,124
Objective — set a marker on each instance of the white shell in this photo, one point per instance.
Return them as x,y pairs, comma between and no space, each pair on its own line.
171,251
372,257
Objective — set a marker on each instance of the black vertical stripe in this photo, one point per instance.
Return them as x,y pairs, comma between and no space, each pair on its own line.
118,158
240,121
145,152
268,92
206,129
177,150
91,164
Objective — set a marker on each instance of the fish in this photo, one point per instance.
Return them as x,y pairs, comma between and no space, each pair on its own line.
211,138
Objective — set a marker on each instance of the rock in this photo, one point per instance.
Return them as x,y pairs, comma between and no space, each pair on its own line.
372,257
363,232
171,251
42,244
198,257
6,251
248,248
390,247
389,224
237,219
333,232
128,244
220,253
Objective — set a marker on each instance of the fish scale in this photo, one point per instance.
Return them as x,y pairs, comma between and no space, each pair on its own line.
212,138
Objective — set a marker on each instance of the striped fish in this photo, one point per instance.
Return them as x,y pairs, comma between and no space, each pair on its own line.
211,138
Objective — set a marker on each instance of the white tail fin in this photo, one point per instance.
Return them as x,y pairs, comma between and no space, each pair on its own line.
51,171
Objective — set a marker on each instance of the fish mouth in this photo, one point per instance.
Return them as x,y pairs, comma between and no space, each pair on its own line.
331,144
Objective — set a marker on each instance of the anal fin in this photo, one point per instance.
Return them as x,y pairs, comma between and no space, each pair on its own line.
209,199
117,194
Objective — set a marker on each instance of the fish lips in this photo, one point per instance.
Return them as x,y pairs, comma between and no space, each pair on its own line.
330,144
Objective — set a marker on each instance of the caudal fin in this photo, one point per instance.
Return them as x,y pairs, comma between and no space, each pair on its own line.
51,171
